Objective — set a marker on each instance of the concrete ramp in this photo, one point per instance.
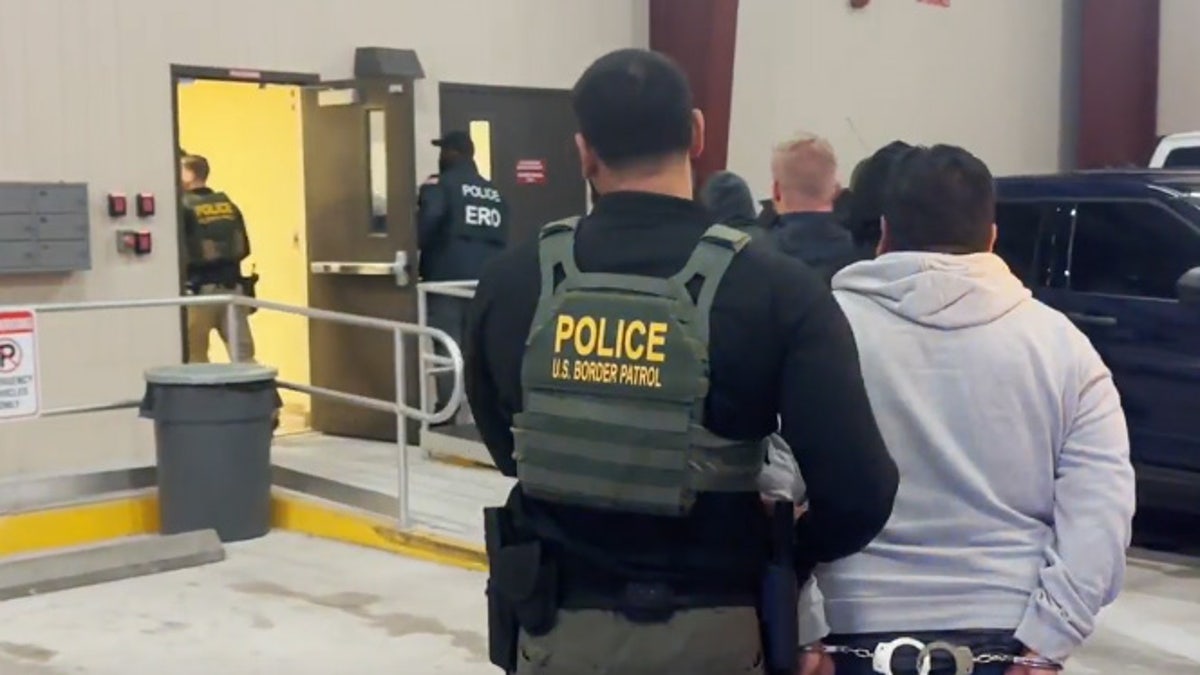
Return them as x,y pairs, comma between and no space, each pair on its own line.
123,559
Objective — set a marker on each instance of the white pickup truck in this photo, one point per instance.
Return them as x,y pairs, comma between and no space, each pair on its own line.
1177,151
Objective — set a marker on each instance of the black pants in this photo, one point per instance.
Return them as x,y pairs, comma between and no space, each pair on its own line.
905,660
448,314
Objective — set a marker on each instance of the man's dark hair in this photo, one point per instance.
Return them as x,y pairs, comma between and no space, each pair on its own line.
867,184
197,165
634,106
940,199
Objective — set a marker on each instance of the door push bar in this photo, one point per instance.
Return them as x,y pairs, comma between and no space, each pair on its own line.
398,269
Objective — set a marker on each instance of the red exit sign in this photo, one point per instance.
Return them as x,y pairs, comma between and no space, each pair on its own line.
935,3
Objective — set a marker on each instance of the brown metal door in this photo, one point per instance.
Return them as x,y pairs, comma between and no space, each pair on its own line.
360,189
528,126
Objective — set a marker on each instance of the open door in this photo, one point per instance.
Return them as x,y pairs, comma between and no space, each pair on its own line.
360,190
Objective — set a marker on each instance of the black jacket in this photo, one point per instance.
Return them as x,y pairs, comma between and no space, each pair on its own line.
728,199
226,273
817,239
450,251
780,347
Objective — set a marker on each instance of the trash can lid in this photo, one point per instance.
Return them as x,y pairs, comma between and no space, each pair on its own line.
210,374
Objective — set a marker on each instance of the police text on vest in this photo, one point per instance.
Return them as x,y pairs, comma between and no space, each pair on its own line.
607,351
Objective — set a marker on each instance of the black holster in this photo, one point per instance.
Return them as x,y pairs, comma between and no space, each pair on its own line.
522,587
249,286
778,617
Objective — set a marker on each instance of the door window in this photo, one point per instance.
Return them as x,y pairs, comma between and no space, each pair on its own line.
481,136
377,167
1136,249
1020,239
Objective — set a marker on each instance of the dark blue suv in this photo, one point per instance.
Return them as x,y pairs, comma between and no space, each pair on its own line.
1119,253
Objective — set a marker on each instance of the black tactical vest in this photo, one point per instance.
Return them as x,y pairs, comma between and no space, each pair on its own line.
615,375
476,209
218,234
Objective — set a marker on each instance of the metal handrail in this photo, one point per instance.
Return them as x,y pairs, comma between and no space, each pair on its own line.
399,331
429,362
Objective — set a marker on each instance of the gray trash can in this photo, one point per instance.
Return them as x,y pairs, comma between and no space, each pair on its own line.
213,424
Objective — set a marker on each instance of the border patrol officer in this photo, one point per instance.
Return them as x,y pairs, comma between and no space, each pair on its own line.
215,244
626,368
462,221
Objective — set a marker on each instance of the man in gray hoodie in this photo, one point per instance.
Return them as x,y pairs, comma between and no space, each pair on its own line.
1016,491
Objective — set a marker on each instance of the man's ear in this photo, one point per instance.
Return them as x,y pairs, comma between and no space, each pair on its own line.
588,164
992,243
885,237
697,147
776,193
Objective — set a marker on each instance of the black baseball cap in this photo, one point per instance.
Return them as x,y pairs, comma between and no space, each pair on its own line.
459,141
634,104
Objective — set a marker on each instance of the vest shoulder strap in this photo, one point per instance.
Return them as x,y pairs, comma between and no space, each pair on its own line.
710,260
556,250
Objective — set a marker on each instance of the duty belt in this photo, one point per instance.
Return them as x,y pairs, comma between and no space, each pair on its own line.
962,658
652,602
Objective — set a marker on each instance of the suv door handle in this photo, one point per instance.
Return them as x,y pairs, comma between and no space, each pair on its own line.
1092,319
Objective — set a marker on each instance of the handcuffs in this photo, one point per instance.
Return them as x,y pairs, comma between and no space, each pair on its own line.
964,659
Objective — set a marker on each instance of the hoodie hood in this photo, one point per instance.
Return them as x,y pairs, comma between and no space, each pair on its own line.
937,290
728,199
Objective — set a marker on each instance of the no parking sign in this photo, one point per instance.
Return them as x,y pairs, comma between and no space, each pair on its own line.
19,392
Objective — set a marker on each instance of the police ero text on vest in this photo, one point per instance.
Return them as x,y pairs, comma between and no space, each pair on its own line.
604,350
482,215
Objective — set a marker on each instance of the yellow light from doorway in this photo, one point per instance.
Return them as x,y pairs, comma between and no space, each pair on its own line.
481,136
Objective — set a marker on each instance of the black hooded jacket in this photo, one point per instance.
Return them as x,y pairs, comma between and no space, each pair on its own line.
817,238
728,199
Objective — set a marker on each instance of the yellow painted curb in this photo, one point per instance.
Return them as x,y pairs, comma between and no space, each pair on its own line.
462,462
299,514
95,522
78,525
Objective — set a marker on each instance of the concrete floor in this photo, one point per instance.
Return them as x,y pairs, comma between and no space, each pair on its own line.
444,498
290,604
283,604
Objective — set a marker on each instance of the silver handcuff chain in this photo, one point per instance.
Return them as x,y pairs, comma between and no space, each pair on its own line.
964,659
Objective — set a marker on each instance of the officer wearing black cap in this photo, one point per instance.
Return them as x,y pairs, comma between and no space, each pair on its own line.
626,367
462,221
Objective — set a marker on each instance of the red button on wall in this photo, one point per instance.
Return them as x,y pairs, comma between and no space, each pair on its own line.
118,206
145,204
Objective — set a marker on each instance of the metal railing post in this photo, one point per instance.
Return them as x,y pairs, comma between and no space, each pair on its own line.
401,428
232,331
425,349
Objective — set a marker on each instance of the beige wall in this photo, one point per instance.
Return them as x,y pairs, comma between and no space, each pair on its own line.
1179,67
85,96
985,74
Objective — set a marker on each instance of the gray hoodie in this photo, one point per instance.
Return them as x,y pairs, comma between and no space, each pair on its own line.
1016,490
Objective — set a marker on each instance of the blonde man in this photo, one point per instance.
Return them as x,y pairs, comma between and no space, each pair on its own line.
804,186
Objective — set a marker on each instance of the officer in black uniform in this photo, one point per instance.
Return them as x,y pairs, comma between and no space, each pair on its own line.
626,368
462,221
215,244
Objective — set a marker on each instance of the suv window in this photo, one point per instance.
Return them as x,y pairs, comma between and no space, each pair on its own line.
1135,249
1020,228
1183,158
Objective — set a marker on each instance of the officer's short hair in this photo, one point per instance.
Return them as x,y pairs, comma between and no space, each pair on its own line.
805,164
939,199
632,106
197,165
